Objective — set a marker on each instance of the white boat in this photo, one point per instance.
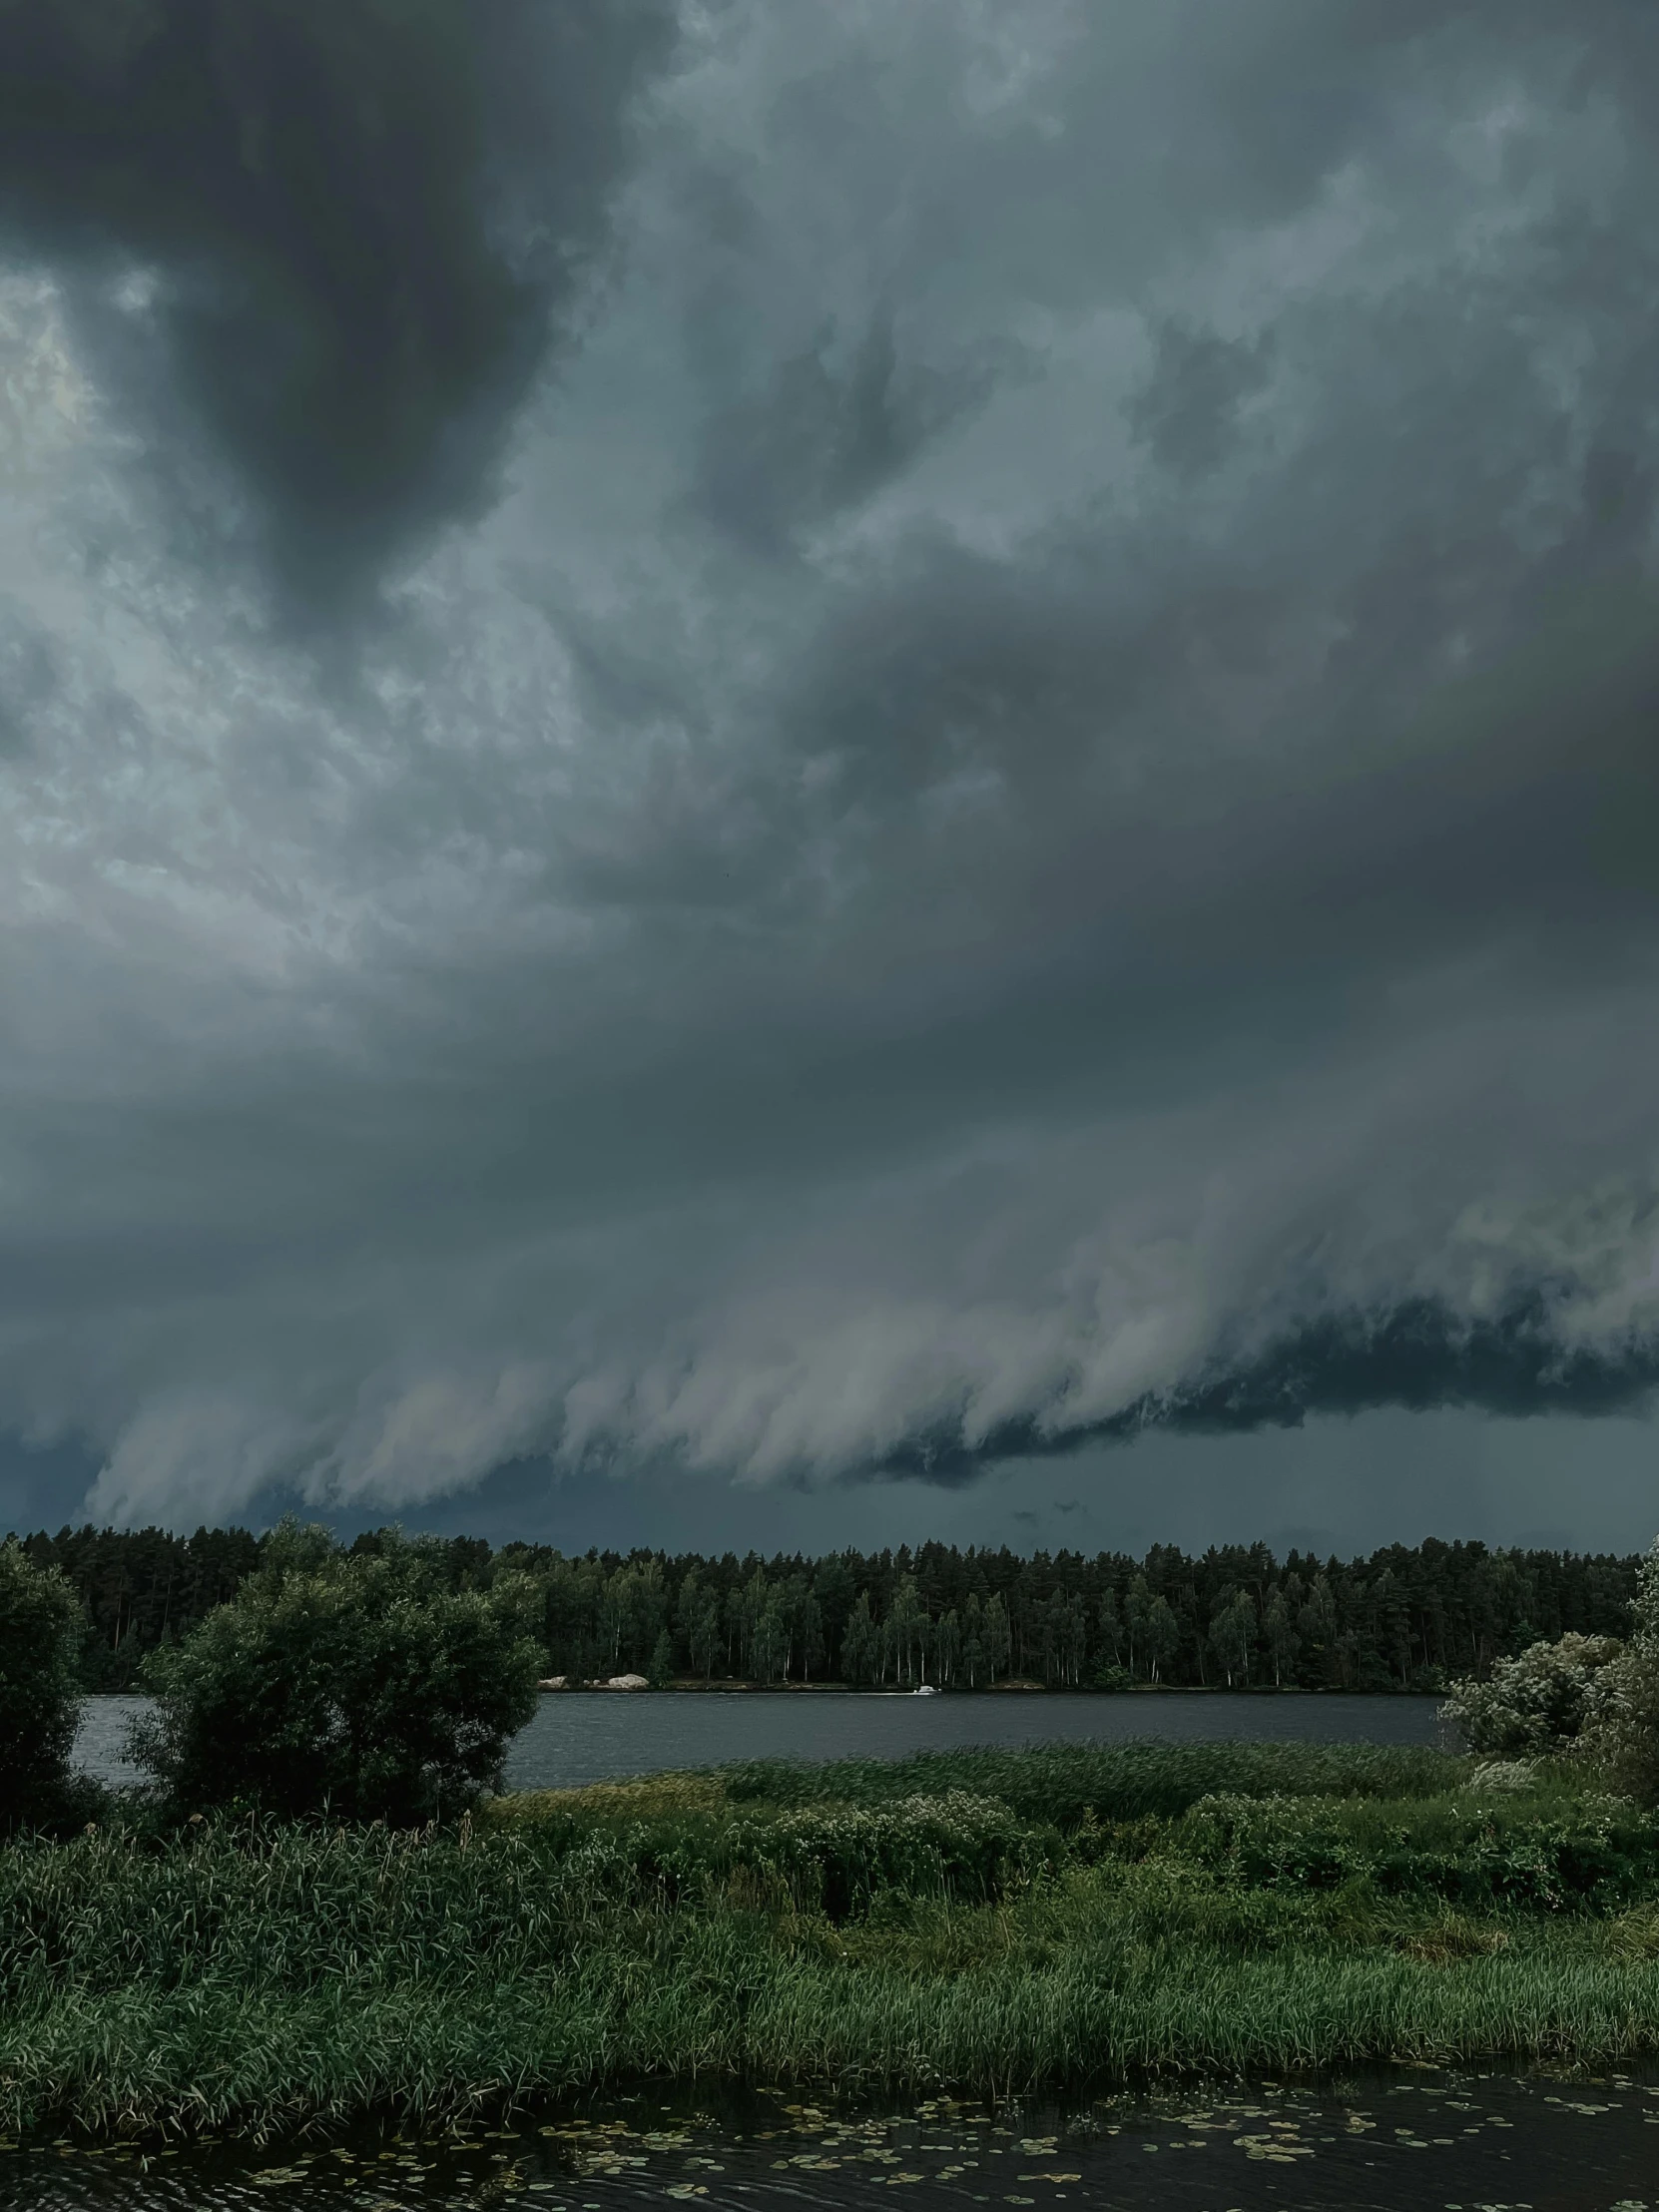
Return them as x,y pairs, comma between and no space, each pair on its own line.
928,1689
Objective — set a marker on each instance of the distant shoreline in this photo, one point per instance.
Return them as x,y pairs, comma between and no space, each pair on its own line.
995,1689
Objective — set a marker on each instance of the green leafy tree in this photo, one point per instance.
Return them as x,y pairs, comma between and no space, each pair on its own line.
699,1618
1233,1636
633,1614
1136,1608
973,1641
1160,1635
947,1647
1319,1619
746,1609
910,1630
363,1684
660,1673
835,1587
858,1644
770,1642
998,1638
1064,1639
1283,1641
803,1627
41,1629
1111,1628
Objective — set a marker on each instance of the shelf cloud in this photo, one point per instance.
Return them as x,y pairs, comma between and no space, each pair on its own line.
818,743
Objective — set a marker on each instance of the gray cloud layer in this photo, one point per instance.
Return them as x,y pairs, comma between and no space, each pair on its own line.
1030,809
333,236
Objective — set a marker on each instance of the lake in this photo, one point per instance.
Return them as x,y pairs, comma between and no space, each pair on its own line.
1405,2140
581,1736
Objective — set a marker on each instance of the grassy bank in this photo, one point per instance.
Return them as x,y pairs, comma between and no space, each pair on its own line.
991,1920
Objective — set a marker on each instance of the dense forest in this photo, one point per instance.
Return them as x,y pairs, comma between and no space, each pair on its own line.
1403,1619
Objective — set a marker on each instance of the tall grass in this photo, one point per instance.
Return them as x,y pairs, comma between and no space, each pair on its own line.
994,1921
1063,1783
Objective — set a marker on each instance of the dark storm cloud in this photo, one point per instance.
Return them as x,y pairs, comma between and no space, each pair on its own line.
827,432
331,236
1198,383
1033,816
1421,1354
28,676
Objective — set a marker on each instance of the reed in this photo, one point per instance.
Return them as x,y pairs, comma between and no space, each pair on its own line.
990,1922
1061,1783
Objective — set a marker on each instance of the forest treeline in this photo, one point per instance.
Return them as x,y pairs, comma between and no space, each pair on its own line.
1403,1619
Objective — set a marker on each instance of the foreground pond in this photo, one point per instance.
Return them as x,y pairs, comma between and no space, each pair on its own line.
601,1735
1395,2143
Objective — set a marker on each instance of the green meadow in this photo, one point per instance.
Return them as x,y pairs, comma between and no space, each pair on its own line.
986,1922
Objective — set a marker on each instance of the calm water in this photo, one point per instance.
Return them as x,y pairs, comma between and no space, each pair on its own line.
583,1736
1412,2141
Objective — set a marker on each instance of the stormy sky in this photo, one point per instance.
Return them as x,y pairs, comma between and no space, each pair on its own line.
799,773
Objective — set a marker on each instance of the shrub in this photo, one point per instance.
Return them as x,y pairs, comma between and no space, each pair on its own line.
40,1698
836,1857
1535,1704
1549,1852
1622,1726
360,1685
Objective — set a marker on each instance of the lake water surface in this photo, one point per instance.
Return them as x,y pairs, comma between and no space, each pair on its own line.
581,1736
1411,2140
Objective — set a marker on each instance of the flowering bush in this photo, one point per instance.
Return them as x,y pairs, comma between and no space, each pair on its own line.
1535,1704
1620,1731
